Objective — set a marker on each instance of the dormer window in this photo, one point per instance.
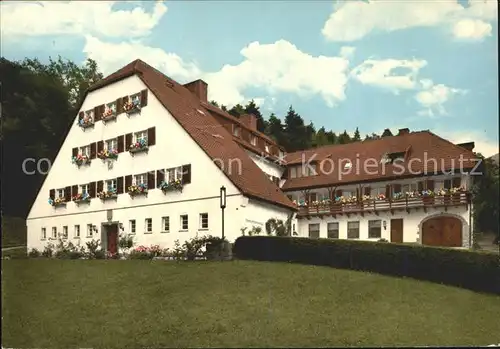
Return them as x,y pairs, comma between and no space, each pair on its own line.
347,165
253,140
281,153
267,147
397,156
236,131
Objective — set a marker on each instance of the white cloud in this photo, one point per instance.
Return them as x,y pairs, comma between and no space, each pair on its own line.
381,73
353,20
483,144
433,97
77,18
472,29
112,56
277,67
280,67
347,51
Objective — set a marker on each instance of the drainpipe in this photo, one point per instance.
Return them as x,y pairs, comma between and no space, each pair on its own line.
470,225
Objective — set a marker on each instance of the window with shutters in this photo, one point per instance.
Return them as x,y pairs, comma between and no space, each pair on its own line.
65,232
111,185
253,139
314,231
84,189
76,231
148,225
89,114
184,222
236,130
333,230
44,234
165,224
85,151
112,144
353,230
203,220
178,173
141,179
375,229
141,137
60,193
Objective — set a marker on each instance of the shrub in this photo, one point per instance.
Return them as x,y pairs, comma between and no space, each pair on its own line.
34,253
48,251
463,268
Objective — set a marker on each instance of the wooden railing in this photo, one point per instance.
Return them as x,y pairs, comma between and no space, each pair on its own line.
405,203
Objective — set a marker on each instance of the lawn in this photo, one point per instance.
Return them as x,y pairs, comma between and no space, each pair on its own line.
135,303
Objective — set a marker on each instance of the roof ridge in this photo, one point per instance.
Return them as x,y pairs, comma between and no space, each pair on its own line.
447,141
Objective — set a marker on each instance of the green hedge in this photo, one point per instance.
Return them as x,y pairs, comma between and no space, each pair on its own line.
463,268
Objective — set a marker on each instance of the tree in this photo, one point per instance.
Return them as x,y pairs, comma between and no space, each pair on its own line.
320,138
252,108
357,136
76,79
237,110
486,192
39,107
297,135
387,133
275,129
344,138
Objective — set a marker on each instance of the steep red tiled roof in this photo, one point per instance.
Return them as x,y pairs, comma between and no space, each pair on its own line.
420,145
210,135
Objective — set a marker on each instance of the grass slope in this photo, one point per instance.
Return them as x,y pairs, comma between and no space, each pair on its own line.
133,304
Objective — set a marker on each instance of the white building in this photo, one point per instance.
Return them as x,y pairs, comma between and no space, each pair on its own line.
138,129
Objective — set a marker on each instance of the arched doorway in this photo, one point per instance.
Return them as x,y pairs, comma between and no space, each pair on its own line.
442,231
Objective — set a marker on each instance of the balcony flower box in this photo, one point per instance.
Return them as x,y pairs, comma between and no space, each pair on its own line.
428,197
108,154
108,115
139,146
140,189
170,186
80,160
131,107
86,122
105,195
57,202
81,198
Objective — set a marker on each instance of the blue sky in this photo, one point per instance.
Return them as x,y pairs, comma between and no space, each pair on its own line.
342,65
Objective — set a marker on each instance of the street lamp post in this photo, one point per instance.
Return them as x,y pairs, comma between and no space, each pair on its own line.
222,206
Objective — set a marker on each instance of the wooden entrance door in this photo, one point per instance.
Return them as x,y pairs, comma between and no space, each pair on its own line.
442,231
397,230
112,231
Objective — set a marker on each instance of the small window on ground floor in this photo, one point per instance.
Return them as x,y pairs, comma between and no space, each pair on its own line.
44,233
184,222
132,226
353,230
90,230
165,224
203,220
374,229
54,233
76,233
65,232
314,231
333,230
148,225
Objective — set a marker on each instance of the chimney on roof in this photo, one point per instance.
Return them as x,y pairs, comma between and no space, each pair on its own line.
199,88
469,145
403,131
250,121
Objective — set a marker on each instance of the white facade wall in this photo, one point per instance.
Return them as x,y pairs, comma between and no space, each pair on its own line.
257,213
174,147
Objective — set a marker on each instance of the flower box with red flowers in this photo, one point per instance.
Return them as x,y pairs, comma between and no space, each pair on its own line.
109,114
132,106
138,146
57,201
80,160
81,198
140,189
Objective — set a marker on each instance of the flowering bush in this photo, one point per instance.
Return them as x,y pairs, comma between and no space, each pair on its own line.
457,190
171,185
57,201
139,145
80,159
81,197
137,189
144,252
110,193
381,197
108,154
